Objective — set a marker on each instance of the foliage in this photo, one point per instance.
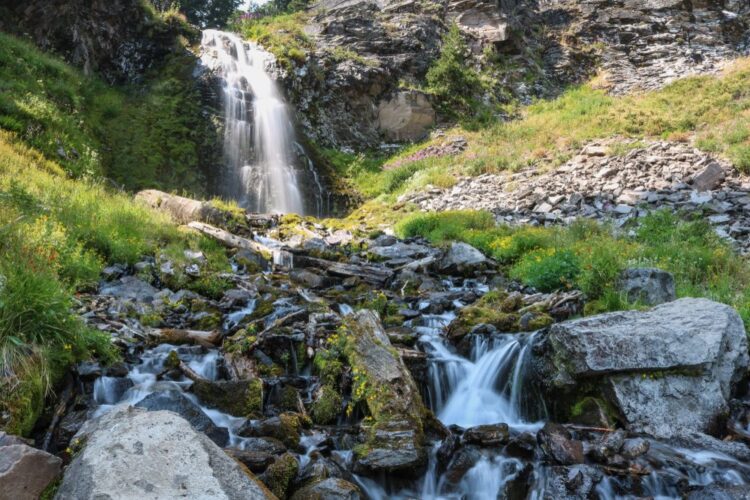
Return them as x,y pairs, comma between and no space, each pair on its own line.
202,13
282,35
277,7
590,256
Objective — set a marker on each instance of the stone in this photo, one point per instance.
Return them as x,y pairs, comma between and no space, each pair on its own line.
156,454
256,461
308,278
462,258
487,435
647,285
709,178
461,462
25,471
178,403
557,445
130,287
668,371
406,116
284,428
568,483
241,398
329,489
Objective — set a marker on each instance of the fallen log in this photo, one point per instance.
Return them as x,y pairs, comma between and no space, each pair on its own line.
177,336
232,240
183,210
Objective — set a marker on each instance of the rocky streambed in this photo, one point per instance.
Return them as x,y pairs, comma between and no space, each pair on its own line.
340,367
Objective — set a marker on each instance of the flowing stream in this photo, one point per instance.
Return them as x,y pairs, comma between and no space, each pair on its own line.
266,169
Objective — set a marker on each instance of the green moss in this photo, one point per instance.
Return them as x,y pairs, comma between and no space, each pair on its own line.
262,309
327,407
254,399
289,399
280,474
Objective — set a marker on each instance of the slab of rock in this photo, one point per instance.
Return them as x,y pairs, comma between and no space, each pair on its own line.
647,285
406,116
131,453
558,445
329,489
668,371
178,403
25,471
130,287
709,178
487,435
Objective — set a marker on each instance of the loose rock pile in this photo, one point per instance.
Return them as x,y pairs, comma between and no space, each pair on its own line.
662,175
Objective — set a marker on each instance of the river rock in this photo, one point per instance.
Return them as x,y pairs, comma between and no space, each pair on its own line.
558,445
178,403
394,442
130,287
487,435
133,453
329,489
568,483
462,258
241,398
256,461
665,372
648,285
25,471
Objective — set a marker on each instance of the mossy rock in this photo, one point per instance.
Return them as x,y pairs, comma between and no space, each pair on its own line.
242,398
206,321
592,412
327,406
280,474
289,399
472,316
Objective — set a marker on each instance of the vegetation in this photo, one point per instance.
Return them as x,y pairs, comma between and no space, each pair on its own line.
590,257
203,13
283,35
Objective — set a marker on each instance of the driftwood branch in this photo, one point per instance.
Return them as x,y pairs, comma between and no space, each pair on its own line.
176,336
232,240
59,413
276,324
374,275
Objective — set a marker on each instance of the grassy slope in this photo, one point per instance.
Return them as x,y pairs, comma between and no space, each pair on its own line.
60,223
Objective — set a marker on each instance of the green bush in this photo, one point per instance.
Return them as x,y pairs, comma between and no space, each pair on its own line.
547,270
450,79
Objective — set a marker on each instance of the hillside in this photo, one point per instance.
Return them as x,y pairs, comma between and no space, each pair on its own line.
375,249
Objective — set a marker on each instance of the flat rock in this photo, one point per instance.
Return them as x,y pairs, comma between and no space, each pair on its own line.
131,453
25,471
178,403
647,285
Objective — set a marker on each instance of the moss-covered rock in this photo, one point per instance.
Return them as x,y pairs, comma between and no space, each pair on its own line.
280,474
327,405
242,398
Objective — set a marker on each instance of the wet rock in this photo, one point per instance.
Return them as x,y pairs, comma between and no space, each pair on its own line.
70,424
647,285
517,487
487,435
318,468
264,444
114,272
88,370
329,489
718,492
568,483
25,471
462,258
131,288
666,372
285,428
463,460
634,448
308,279
558,445
256,461
156,454
522,446
178,403
241,398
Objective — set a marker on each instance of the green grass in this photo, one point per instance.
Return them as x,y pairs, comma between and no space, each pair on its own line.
282,35
590,257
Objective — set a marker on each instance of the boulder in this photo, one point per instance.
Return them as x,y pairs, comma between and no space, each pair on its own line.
241,398
25,471
329,489
130,287
648,285
178,403
134,453
394,441
406,116
664,372
558,445
462,258
709,178
487,435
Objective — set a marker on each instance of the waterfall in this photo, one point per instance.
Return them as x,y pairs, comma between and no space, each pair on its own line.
260,150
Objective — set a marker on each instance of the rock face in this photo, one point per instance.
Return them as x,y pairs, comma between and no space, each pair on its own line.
395,441
118,39
132,452
665,372
406,117
25,471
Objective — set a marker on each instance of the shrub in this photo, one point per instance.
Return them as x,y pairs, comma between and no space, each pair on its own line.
547,270
450,79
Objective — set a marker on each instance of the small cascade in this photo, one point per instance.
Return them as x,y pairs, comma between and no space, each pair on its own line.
261,154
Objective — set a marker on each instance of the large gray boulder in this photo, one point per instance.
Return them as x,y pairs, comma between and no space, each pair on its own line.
462,258
648,285
131,453
665,372
25,471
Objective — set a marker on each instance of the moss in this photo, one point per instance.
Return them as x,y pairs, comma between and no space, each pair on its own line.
289,430
151,318
172,361
472,316
262,309
51,490
327,406
280,474
254,399
539,321
207,321
243,398
289,398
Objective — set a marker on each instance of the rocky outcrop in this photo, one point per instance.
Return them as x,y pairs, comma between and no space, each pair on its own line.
647,285
665,372
25,472
154,455
615,187
117,39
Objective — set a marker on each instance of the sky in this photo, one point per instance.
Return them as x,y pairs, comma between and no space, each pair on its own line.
247,3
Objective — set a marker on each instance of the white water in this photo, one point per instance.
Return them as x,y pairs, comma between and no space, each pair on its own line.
259,136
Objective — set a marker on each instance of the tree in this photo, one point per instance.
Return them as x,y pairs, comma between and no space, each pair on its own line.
209,13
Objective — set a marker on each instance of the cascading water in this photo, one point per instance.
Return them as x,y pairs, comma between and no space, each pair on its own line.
260,151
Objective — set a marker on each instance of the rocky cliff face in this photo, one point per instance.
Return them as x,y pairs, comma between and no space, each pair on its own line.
357,88
118,39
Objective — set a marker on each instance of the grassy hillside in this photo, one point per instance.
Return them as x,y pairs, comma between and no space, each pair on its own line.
139,136
61,221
